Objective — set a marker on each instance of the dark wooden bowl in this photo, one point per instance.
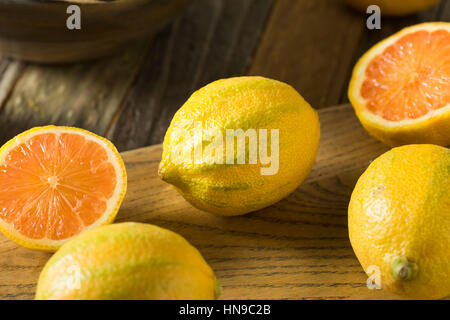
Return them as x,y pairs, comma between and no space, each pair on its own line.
35,30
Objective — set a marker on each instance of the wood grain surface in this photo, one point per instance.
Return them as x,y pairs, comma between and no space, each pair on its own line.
83,95
10,70
311,44
213,40
295,249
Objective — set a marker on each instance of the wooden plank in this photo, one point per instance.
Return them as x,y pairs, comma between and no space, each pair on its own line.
295,249
212,40
445,11
82,95
310,45
391,25
10,71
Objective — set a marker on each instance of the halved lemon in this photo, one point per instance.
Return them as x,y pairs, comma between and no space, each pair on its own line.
56,182
400,88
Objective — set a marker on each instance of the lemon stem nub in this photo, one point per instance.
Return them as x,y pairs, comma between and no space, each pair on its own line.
404,270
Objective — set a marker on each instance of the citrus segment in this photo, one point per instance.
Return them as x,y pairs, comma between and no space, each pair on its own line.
400,88
411,77
56,182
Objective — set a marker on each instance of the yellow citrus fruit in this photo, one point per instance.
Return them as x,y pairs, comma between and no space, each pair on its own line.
237,177
400,88
127,261
399,222
394,7
56,182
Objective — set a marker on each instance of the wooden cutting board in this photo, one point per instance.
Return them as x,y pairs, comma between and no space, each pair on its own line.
295,249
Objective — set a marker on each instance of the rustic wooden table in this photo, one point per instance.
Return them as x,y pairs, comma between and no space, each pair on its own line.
297,248
131,97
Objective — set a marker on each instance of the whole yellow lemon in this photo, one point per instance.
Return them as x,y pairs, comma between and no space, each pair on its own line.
399,221
127,261
240,144
394,7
